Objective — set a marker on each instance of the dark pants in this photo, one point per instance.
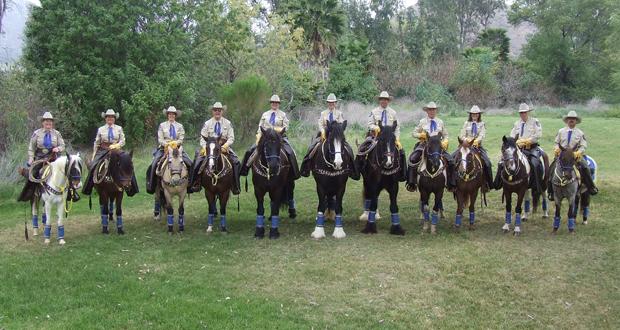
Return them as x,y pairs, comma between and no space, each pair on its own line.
99,157
487,167
151,180
533,156
288,150
194,177
415,158
306,164
30,187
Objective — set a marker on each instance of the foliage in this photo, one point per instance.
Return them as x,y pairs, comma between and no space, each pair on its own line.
474,81
245,101
428,91
350,76
497,41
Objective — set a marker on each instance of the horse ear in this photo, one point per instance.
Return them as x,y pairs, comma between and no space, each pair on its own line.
283,131
344,125
460,141
504,139
394,124
262,130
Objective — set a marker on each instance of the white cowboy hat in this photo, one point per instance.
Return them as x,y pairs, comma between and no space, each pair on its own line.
430,105
475,109
523,107
110,112
332,98
274,99
217,105
172,109
572,114
46,116
385,95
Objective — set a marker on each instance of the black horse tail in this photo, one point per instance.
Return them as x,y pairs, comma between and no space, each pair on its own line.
285,195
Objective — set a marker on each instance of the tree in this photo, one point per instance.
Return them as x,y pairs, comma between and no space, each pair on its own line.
3,8
497,41
245,99
349,75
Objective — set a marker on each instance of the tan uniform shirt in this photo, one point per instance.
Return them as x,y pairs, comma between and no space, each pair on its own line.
467,131
281,121
425,126
531,129
324,118
163,133
577,139
226,131
37,142
376,116
102,136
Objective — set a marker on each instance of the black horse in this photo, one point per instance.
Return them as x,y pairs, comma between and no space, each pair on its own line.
331,167
270,174
432,179
381,168
514,173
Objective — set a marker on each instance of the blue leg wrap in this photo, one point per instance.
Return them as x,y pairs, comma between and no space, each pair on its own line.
395,219
170,220
527,206
47,233
35,221
372,216
586,211
366,204
544,204
210,219
320,219
104,220
44,218
339,222
434,218
508,217
222,221
119,221
472,217
260,221
291,204
156,207
275,221
518,219
571,223
458,220
427,216
61,232
556,222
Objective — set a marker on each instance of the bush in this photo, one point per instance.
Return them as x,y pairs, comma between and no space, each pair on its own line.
427,91
245,100
349,73
474,81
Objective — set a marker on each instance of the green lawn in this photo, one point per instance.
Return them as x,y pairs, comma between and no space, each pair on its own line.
480,279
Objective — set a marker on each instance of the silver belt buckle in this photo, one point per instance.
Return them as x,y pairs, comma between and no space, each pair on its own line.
45,151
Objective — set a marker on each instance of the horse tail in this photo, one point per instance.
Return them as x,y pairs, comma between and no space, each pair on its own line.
90,202
546,168
284,194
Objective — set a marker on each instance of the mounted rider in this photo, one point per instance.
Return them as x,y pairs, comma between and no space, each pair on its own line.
170,134
109,137
330,115
472,134
45,144
219,127
427,127
572,138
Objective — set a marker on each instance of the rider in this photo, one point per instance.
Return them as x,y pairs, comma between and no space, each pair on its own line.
45,143
473,133
217,126
327,116
169,134
427,127
571,137
109,137
527,131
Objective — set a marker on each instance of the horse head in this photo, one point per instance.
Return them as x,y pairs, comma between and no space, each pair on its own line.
386,146
74,172
270,145
510,157
176,166
566,163
121,167
335,140
433,152
214,151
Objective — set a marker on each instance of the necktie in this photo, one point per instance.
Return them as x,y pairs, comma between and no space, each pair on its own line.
433,125
272,119
522,128
110,134
47,140
384,118
173,132
570,134
218,129
331,117
474,129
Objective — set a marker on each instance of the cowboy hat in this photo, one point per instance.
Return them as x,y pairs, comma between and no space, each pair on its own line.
572,114
217,105
523,107
475,109
274,99
172,109
385,95
331,98
110,112
430,105
46,116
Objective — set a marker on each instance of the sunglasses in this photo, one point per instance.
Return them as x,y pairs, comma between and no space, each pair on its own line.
217,110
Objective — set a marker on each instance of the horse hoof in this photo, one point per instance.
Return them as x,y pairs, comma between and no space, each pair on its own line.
545,215
292,213
181,229
505,231
104,230
47,241
371,228
120,231
441,215
223,230
572,231
434,229
61,241
274,233
554,231
339,233
259,233
397,230
585,222
457,229
318,233
209,229
156,217
425,226
377,215
517,231
472,227
35,232
170,230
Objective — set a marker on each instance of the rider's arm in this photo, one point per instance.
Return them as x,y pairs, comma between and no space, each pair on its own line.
96,144
180,134
203,134
463,132
583,144
230,139
32,146
444,131
60,142
372,125
537,132
121,138
397,130
514,131
160,135
482,132
418,130
321,123
284,121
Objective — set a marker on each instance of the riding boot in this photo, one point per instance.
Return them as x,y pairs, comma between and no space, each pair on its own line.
354,172
293,161
245,169
88,185
134,186
412,178
236,190
403,167
194,178
586,178
497,183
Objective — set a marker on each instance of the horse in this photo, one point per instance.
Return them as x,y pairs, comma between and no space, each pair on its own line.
173,179
566,184
469,180
381,170
270,175
331,172
217,178
111,179
583,198
432,179
65,174
515,174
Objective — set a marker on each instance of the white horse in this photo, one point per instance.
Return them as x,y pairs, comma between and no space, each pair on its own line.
65,173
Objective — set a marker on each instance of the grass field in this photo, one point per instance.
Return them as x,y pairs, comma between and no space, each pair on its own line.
480,279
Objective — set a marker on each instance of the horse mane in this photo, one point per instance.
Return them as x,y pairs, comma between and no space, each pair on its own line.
509,141
336,130
386,133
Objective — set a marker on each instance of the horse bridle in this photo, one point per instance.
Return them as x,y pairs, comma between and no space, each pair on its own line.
563,181
508,172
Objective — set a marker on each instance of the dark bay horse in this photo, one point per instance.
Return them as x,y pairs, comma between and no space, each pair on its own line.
565,181
330,169
216,176
432,179
270,175
381,170
469,180
111,179
515,174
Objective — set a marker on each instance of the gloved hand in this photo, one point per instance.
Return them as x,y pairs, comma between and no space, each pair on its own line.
173,144
423,136
444,144
528,143
225,148
29,163
376,131
399,146
521,143
278,129
114,146
257,138
557,151
577,154
55,150
203,152
476,143
323,136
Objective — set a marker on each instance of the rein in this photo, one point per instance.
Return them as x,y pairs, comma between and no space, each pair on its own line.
473,174
226,166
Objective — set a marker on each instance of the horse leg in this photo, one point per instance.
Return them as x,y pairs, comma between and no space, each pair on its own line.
441,214
111,207
371,225
157,205
338,229
585,206
396,228
169,212
557,219
181,220
506,227
472,209
461,197
274,233
212,209
518,210
330,212
572,214
103,207
34,205
47,232
223,202
119,213
61,228
529,194
436,209
424,197
259,232
545,206
364,215
43,216
319,228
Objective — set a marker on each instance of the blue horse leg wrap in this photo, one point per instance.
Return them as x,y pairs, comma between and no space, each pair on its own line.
104,220
291,204
458,219
222,221
320,219
586,211
518,219
156,207
61,232
472,217
119,221
527,206
211,217
544,204
35,221
395,219
44,218
48,231
170,220
366,204
571,223
556,222
372,216
260,221
275,221
339,221
427,216
434,218
508,217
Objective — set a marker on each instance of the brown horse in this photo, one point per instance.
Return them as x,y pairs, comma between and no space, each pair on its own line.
469,180
112,178
172,180
217,178
514,173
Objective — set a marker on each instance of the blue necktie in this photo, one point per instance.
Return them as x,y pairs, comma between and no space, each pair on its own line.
522,128
218,129
433,125
384,118
474,128
47,140
272,120
110,134
173,132
331,117
570,134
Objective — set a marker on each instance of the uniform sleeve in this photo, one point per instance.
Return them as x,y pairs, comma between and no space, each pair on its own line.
463,133
285,121
482,132
418,130
514,131
32,146
397,130
61,142
203,134
372,125
321,123
537,131
97,142
557,138
340,118
181,134
583,144
160,136
121,138
261,122
444,131
231,135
